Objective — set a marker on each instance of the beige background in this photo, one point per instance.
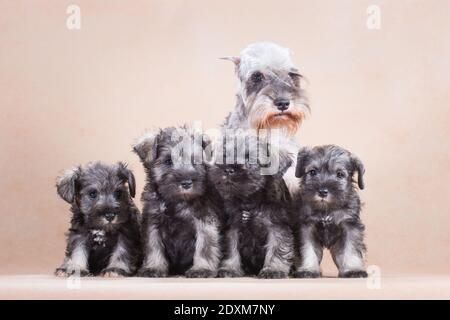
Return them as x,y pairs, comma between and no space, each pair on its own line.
67,97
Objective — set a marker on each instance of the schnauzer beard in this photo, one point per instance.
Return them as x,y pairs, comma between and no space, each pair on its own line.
97,220
174,191
322,204
264,115
331,202
187,195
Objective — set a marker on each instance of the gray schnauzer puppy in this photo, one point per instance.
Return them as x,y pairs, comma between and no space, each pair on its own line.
329,211
269,96
180,222
104,234
257,234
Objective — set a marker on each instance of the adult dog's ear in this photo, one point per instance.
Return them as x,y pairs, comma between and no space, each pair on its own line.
146,147
302,158
357,165
235,60
67,184
128,176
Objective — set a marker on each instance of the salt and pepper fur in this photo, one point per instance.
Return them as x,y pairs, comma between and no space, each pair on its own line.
208,218
266,75
180,226
257,236
96,245
330,220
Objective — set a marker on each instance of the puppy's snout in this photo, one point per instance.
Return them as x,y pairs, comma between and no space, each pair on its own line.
109,216
229,171
282,104
323,192
186,184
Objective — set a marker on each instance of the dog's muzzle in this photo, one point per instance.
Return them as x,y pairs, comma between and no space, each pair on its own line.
282,104
109,216
186,184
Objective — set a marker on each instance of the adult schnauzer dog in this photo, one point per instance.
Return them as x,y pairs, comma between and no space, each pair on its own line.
269,96
180,222
257,232
329,214
104,234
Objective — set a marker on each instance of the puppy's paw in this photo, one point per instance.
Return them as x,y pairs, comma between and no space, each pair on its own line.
353,274
229,273
306,274
200,273
64,273
272,274
113,273
151,273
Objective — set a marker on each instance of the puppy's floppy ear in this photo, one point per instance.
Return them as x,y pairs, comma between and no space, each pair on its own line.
66,184
128,176
302,158
357,165
146,147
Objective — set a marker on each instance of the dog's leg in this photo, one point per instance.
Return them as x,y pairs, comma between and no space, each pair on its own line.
207,250
231,266
279,254
119,262
310,254
155,262
76,260
348,251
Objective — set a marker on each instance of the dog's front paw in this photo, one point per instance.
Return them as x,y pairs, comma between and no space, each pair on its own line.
353,274
62,273
272,274
67,272
113,273
306,274
229,273
200,273
152,273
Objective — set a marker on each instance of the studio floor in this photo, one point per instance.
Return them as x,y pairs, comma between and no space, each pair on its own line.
386,287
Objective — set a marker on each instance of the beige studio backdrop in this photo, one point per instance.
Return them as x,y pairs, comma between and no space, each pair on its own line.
71,96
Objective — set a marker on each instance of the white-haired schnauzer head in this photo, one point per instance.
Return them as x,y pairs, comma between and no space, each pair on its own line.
269,86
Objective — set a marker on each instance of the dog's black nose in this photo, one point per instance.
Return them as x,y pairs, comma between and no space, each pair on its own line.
110,216
186,184
282,104
323,192
229,171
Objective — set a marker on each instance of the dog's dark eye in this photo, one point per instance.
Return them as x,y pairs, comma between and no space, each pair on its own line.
92,194
118,194
257,77
340,174
312,172
294,75
168,161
